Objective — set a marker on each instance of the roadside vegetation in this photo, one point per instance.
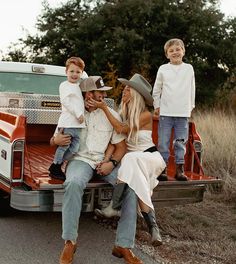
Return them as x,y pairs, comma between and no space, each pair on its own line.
204,232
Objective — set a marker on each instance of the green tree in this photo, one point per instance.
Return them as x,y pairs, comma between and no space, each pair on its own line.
130,35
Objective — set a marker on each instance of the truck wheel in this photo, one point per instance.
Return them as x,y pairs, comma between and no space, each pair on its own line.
5,208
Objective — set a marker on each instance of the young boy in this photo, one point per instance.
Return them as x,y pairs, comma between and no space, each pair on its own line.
71,119
174,99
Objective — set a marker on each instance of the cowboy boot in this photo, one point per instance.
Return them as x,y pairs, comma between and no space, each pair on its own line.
107,212
126,254
179,176
163,176
117,195
153,229
113,208
68,252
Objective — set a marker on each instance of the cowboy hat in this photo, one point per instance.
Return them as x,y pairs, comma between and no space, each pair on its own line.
141,85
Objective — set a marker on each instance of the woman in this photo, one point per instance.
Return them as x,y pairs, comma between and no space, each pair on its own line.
143,163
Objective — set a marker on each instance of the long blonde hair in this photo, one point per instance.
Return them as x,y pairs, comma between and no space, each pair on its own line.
130,113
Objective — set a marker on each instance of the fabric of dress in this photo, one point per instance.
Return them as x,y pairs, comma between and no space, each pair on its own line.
140,169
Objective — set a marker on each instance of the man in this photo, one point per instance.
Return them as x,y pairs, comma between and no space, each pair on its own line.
94,140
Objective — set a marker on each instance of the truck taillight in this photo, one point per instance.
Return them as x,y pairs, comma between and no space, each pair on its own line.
17,161
17,165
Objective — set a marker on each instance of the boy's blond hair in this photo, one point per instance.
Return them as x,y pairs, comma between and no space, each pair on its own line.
77,61
174,41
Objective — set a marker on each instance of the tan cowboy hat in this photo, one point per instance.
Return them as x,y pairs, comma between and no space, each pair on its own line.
141,85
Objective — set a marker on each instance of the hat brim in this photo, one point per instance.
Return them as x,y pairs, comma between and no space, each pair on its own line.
146,95
104,88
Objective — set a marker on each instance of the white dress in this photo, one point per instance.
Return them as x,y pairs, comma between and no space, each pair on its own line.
140,169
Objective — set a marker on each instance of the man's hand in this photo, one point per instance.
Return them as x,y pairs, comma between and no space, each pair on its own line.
61,139
104,168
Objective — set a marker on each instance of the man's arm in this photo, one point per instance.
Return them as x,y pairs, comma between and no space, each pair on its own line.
106,167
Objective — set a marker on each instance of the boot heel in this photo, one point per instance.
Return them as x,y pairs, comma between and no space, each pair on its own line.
116,253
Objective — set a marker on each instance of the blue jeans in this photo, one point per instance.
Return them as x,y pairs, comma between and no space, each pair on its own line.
78,174
180,126
66,152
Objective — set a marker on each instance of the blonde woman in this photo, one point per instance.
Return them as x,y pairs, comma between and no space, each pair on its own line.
143,163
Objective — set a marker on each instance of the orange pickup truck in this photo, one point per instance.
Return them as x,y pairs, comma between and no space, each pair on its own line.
29,110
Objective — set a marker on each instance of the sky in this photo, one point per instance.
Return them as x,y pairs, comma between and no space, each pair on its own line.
18,17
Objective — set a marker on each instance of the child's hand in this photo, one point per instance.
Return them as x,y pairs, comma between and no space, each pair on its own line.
81,119
156,112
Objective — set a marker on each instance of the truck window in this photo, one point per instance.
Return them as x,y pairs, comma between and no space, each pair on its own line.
30,83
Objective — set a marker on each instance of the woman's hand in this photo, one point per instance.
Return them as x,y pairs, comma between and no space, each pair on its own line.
104,168
98,104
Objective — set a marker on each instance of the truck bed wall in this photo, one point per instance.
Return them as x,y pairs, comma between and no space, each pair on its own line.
39,133
39,153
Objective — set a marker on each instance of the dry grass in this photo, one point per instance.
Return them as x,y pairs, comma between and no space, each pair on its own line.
199,233
218,129
206,232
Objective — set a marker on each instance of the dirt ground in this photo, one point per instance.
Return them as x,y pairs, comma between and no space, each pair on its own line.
196,233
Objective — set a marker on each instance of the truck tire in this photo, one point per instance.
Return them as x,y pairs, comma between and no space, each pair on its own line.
5,208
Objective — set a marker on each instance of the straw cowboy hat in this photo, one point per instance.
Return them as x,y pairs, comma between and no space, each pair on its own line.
141,85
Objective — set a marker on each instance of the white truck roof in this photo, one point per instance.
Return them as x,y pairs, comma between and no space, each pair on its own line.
24,67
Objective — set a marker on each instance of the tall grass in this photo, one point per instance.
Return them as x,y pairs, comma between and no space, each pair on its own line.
217,129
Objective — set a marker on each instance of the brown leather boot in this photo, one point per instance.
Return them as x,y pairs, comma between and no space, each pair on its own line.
179,176
163,176
127,254
67,253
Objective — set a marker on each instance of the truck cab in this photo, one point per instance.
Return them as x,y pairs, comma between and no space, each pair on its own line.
29,111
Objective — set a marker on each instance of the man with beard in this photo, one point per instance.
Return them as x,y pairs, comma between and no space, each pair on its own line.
91,158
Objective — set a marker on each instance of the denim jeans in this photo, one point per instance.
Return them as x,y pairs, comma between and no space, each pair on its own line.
66,152
180,126
78,174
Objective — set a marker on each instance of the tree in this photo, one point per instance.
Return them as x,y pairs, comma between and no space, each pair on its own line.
130,35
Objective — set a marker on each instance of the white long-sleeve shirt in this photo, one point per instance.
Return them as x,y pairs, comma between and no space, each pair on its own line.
72,105
174,90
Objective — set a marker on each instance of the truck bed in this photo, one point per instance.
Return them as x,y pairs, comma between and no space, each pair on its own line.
47,193
39,156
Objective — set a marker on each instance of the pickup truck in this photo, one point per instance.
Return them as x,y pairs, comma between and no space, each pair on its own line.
29,111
